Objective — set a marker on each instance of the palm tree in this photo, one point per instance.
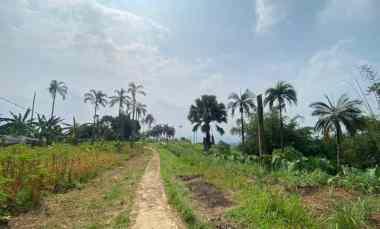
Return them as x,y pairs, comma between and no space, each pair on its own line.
281,94
204,112
135,89
97,98
54,88
121,98
333,116
48,129
245,103
140,110
17,124
149,120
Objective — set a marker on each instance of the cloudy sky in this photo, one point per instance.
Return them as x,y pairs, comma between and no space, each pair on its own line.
181,49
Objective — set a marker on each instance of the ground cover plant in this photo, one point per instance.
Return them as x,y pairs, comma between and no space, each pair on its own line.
278,196
27,173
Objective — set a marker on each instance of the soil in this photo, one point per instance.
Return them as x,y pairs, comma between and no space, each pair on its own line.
152,209
211,202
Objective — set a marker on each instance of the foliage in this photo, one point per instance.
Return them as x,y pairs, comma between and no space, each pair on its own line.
134,90
332,117
162,131
244,103
26,172
54,88
203,113
281,94
17,124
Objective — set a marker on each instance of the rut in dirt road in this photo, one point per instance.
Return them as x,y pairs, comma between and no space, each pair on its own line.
151,207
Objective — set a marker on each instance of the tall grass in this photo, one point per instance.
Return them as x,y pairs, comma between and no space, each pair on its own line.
26,172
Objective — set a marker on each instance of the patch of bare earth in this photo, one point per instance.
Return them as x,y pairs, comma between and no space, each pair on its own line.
321,200
104,202
210,201
152,210
375,220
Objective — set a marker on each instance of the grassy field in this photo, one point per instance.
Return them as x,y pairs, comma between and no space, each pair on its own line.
31,175
213,192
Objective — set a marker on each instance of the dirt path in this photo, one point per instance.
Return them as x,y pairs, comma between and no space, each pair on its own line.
105,202
152,210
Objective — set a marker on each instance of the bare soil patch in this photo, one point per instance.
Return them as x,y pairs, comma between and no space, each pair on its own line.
375,220
210,201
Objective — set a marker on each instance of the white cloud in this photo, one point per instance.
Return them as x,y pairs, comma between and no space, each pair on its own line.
269,13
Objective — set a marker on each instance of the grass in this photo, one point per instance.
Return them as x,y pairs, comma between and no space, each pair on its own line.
262,197
104,200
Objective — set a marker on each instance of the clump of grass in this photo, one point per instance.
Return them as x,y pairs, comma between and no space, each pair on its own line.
350,215
270,210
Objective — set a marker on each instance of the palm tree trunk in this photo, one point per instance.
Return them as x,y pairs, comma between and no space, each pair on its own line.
207,139
242,126
121,122
95,122
281,130
52,107
338,147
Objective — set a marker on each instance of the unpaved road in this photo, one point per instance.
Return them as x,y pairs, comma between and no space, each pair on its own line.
151,208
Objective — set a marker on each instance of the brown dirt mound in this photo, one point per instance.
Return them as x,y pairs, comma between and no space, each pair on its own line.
211,202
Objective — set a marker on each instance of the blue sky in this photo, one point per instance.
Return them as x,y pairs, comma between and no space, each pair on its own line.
182,49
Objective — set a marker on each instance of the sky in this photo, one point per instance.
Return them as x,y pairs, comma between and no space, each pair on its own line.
181,49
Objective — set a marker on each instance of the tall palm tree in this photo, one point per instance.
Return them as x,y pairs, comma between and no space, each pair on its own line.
203,113
281,94
135,89
96,98
149,120
54,88
333,116
245,103
121,99
140,110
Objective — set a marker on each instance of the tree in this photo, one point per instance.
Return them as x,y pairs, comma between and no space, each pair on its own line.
48,129
333,116
54,88
140,110
203,113
281,94
135,89
96,98
245,103
149,120
121,99
17,124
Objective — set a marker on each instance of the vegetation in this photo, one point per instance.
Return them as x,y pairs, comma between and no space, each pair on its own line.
281,94
206,111
277,195
245,103
26,172
54,88
345,112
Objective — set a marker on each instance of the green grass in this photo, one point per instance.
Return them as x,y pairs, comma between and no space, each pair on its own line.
261,196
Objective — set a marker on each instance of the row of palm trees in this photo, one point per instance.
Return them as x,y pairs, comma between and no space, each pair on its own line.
345,114
125,99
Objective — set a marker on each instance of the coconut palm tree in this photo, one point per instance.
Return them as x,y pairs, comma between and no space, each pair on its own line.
203,113
54,88
281,94
245,103
135,89
121,99
96,98
149,120
140,110
333,116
